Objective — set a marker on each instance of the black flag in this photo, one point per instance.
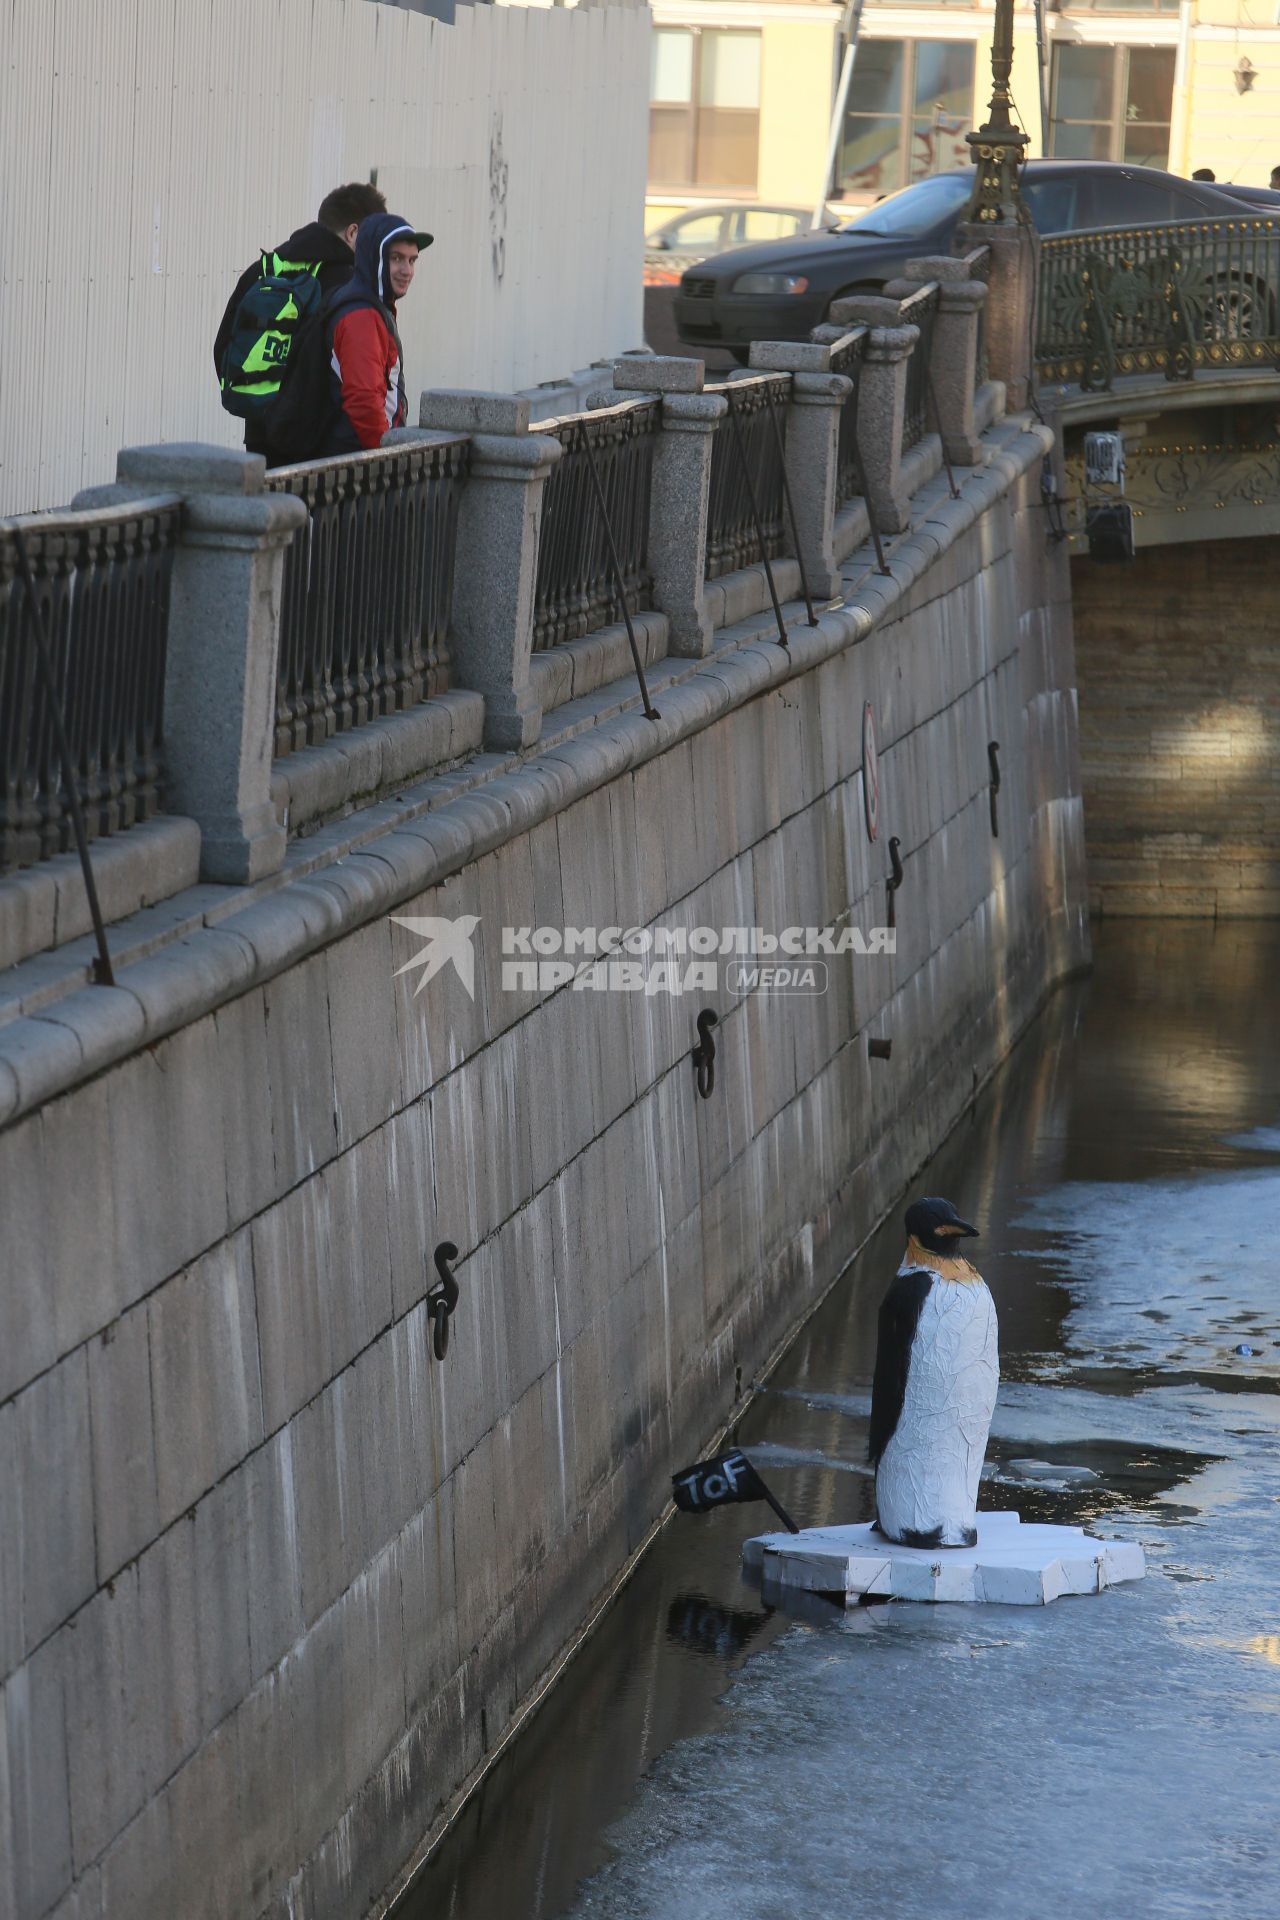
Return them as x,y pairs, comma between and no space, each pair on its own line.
720,1482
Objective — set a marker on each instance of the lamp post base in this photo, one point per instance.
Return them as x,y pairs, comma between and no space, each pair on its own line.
998,153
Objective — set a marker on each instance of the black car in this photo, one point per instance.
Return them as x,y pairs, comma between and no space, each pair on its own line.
783,288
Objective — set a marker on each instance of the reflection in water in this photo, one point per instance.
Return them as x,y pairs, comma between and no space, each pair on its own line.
706,1627
704,1758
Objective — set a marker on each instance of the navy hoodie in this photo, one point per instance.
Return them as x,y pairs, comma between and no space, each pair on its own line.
366,357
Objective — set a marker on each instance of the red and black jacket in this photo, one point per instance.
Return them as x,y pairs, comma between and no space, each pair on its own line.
366,358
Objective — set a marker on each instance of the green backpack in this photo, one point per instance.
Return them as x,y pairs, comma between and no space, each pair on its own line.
276,336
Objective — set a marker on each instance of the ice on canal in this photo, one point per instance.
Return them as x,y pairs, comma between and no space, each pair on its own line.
710,1755
1115,1755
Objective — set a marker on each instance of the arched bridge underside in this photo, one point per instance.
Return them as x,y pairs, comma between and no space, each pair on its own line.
1202,460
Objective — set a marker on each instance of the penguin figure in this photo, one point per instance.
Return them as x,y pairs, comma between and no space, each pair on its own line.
937,1369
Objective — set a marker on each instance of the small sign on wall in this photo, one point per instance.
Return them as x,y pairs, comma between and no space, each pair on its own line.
870,772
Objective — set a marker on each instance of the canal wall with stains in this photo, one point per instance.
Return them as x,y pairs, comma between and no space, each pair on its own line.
274,1582
1180,730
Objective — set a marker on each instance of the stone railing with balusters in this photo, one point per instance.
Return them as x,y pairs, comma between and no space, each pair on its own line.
919,309
957,369
745,519
368,590
919,376
97,585
576,593
255,651
846,359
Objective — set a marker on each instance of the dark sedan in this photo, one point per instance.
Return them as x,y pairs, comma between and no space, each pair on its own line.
783,288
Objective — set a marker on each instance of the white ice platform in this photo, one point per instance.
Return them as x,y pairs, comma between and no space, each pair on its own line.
1015,1565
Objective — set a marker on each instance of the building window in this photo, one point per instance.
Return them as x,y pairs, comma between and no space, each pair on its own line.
704,108
910,106
1112,103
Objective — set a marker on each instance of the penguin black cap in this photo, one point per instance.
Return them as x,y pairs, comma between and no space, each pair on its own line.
934,1222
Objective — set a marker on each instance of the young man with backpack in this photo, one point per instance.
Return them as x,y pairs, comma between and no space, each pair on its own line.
366,360
270,348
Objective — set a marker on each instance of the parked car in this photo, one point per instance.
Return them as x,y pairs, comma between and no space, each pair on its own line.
703,231
780,290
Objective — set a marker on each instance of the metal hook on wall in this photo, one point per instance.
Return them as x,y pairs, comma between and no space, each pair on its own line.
704,1054
442,1298
993,761
895,878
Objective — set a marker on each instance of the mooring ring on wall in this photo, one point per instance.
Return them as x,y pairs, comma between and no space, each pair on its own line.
895,878
704,1054
442,1298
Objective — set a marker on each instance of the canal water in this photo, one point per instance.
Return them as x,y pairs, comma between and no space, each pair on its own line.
706,1757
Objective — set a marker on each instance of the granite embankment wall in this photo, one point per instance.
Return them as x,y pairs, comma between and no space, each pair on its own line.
1180,729
273,1581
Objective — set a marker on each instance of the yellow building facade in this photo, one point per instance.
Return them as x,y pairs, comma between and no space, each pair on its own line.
742,93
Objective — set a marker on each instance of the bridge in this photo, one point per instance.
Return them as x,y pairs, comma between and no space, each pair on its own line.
1170,338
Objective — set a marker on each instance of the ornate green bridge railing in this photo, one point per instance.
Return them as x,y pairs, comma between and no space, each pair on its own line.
1167,299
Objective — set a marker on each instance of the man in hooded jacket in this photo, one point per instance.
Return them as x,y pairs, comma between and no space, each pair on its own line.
326,242
366,357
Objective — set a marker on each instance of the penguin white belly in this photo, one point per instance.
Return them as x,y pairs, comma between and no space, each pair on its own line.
927,1477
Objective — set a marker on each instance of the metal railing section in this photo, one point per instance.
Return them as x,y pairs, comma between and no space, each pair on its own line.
1171,299
101,582
846,358
918,310
732,541
576,592
368,590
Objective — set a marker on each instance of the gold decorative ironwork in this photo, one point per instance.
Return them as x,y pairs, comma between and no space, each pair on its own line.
1169,298
1198,477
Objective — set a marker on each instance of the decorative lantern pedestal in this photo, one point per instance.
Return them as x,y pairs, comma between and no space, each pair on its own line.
1011,1565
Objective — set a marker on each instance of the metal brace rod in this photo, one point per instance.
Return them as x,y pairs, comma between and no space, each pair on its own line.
942,438
103,975
650,711
756,521
876,541
791,511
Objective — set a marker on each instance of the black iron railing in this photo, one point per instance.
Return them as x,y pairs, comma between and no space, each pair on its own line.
1171,299
576,592
919,310
368,587
979,265
732,541
846,358
102,584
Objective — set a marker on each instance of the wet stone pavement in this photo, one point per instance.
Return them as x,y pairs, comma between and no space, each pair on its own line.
706,1756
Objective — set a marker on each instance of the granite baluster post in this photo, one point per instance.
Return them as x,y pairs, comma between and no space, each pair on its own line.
812,449
496,561
961,298
681,490
223,645
1011,300
882,398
